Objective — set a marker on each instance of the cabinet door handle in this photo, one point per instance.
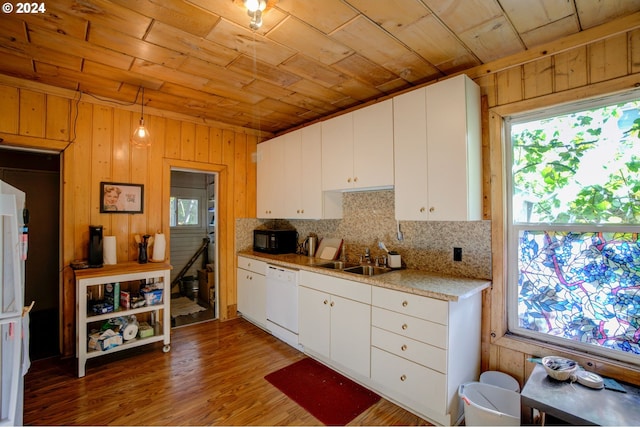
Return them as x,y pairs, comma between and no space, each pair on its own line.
422,210
355,179
404,326
325,302
404,347
405,303
332,303
403,377
432,209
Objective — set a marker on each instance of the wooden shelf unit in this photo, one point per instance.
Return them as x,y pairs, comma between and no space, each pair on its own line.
121,273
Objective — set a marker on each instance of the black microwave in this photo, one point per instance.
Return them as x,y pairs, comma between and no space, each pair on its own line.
275,241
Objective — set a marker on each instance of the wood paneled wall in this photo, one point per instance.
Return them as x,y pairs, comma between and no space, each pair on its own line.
93,137
597,62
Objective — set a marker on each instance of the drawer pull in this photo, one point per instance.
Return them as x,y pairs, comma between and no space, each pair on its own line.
405,303
403,377
404,347
404,327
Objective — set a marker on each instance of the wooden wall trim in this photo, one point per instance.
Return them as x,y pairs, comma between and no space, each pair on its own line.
595,90
226,255
31,142
531,348
74,95
509,353
582,38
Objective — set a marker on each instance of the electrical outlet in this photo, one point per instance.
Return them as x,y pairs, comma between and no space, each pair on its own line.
457,254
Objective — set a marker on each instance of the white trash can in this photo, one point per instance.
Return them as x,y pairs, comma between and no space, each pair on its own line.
500,379
489,405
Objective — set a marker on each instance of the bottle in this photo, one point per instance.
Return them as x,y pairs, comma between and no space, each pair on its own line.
142,249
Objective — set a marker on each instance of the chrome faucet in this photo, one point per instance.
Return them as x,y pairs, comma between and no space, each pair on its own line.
381,261
366,257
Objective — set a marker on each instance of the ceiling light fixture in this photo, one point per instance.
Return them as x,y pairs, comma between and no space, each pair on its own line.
254,10
141,137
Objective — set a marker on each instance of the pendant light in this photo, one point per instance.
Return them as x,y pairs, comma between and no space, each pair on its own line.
141,137
254,10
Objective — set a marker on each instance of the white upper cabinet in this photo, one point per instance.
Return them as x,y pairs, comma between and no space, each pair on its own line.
270,175
289,175
290,185
337,152
357,149
437,152
410,155
303,173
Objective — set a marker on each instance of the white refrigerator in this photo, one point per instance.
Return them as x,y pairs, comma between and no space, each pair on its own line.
14,351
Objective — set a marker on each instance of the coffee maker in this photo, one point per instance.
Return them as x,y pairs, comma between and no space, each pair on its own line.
95,246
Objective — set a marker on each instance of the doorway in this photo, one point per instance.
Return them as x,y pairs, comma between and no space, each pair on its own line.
193,251
38,175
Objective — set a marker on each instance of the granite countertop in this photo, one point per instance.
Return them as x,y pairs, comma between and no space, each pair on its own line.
429,284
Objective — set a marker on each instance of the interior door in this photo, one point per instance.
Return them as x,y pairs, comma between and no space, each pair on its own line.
42,280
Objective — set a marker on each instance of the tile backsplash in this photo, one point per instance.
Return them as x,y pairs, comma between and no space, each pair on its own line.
368,217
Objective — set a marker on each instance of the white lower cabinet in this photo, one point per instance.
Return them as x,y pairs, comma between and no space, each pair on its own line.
335,321
413,350
252,290
314,321
409,383
423,349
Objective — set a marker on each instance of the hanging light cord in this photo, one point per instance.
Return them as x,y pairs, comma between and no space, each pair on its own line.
142,102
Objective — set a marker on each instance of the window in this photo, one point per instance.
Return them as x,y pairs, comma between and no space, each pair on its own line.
574,219
184,211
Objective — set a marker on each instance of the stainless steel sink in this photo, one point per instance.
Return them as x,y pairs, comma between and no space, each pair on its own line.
336,265
367,270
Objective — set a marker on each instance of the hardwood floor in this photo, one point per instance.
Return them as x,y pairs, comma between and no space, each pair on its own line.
213,375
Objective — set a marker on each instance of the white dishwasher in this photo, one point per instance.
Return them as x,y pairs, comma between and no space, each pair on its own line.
282,303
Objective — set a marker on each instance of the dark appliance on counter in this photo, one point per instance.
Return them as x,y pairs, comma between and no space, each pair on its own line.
275,241
95,246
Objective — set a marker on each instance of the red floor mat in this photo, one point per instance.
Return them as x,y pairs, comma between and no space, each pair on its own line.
327,395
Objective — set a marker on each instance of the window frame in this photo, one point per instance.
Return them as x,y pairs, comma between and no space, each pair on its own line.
512,229
189,194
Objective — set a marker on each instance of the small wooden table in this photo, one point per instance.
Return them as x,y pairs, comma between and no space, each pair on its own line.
124,272
580,405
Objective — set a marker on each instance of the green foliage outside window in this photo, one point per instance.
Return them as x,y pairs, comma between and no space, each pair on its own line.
579,168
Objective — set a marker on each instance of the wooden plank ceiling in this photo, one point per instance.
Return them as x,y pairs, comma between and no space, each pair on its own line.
310,58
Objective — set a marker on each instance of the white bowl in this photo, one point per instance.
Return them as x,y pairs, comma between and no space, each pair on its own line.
559,368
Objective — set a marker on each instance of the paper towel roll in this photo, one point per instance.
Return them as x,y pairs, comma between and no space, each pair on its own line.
109,250
130,331
159,244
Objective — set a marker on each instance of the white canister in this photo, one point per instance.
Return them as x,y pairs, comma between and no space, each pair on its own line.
395,261
159,245
109,256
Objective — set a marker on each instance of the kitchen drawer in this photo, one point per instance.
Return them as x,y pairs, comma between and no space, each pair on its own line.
414,305
420,388
422,330
416,351
349,289
251,264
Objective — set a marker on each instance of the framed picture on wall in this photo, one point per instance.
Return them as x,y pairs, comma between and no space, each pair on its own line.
117,197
